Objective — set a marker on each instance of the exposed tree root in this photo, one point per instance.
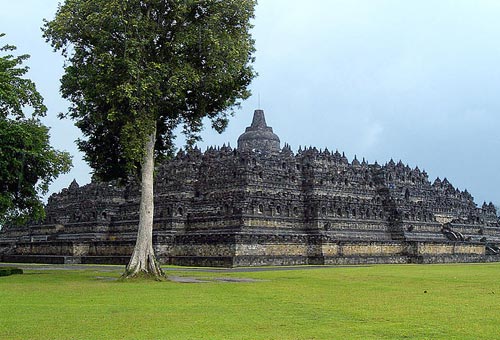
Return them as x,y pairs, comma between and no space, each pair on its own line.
144,267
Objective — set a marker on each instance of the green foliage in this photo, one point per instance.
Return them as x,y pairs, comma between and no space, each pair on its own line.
136,66
6,271
366,302
16,92
28,164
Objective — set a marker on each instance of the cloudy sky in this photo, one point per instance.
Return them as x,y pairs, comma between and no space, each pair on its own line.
415,80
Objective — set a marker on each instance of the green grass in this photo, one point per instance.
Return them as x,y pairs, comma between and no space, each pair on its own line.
378,302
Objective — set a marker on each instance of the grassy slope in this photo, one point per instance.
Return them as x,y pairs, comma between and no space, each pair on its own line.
379,302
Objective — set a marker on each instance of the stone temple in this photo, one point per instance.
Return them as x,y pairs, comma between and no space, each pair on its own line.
263,204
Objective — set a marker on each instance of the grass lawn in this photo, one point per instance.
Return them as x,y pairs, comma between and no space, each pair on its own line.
374,302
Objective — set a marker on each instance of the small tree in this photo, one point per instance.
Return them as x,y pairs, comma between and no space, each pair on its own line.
28,164
136,70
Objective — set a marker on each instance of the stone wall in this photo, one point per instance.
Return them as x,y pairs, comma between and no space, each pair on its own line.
260,204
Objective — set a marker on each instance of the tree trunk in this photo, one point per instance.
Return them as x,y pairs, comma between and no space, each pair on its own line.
143,261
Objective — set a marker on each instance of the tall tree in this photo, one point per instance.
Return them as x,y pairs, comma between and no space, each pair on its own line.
136,70
28,164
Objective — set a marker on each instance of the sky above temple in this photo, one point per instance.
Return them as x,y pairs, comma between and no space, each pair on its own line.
412,80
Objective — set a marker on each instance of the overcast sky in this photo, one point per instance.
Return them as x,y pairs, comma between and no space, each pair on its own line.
412,80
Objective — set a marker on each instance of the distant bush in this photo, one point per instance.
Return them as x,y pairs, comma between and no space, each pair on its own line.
6,271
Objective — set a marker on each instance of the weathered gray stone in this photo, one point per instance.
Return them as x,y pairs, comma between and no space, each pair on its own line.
260,204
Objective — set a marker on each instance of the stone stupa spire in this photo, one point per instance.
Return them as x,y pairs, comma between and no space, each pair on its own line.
259,120
259,136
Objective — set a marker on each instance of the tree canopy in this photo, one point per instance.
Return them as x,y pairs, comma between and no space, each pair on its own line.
28,164
136,70
17,93
138,65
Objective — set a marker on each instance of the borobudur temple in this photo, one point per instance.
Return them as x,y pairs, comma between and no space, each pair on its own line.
263,204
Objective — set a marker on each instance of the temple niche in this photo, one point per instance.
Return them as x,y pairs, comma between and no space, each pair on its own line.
263,204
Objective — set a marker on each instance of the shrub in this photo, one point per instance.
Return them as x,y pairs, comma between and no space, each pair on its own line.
6,271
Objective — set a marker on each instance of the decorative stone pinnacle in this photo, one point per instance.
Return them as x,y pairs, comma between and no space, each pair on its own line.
259,119
259,136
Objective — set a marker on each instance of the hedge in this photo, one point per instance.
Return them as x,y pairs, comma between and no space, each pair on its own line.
6,271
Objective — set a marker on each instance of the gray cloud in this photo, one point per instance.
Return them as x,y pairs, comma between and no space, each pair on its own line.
410,80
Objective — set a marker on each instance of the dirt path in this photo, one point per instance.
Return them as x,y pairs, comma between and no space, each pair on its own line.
113,268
